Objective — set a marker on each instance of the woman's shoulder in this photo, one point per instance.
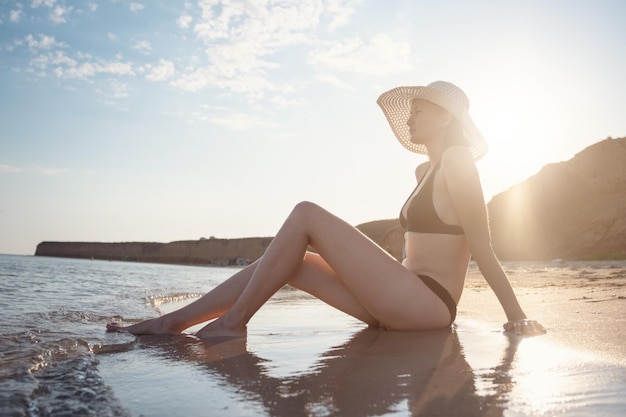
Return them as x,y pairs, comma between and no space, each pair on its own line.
458,167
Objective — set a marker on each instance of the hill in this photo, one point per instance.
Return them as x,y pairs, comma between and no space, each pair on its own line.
574,209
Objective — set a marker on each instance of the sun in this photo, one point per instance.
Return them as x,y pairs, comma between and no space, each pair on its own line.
513,133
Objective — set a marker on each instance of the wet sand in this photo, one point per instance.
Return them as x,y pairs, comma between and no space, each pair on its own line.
583,306
304,358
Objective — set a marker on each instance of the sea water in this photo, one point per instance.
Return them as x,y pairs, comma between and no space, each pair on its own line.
52,321
301,357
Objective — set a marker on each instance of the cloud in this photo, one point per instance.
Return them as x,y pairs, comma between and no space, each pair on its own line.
50,58
382,55
340,12
184,21
47,3
8,169
162,72
16,15
142,46
112,92
115,90
241,40
42,42
247,40
278,25
245,43
60,64
49,171
69,68
251,84
57,15
136,7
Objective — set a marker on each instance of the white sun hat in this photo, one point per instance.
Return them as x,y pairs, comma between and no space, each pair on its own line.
396,105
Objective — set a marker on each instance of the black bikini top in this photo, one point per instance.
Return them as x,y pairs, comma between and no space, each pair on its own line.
421,214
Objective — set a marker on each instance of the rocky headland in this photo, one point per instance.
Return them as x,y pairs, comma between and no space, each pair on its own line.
222,252
574,209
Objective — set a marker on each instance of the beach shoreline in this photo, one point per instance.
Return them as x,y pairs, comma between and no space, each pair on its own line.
582,307
303,357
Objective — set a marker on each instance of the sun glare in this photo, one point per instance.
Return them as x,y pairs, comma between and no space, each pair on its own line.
542,384
505,122
505,132
516,138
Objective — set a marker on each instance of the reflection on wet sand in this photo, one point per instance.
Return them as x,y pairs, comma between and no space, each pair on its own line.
374,373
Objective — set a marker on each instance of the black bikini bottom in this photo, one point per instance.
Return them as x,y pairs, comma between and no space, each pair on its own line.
442,293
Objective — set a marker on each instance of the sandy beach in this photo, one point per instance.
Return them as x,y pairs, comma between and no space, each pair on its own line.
304,358
583,306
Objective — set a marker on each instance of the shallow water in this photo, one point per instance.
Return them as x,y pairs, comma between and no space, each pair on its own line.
301,357
53,315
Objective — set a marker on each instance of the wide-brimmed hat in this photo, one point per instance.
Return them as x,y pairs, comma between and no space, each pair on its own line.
396,105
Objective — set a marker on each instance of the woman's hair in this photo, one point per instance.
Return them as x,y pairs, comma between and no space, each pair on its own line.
454,135
454,132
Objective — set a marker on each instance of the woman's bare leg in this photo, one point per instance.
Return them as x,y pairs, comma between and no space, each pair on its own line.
317,278
385,289
211,305
314,276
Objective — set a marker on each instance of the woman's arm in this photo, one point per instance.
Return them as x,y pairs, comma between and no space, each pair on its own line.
463,183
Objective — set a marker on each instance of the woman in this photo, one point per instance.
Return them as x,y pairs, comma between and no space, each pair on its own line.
445,218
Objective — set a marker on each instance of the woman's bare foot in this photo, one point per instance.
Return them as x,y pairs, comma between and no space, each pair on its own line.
217,328
159,325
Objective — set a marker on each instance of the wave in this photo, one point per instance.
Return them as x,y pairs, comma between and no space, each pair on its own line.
43,374
157,300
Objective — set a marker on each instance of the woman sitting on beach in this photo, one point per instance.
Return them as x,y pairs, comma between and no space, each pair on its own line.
446,224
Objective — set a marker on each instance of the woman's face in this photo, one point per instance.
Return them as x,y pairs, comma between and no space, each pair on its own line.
427,121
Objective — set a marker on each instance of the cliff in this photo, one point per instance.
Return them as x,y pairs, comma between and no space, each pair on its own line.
574,209
205,251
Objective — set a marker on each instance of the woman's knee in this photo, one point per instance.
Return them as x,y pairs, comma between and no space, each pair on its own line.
306,210
302,219
307,207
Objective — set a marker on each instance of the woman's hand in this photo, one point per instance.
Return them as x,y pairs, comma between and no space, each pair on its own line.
524,327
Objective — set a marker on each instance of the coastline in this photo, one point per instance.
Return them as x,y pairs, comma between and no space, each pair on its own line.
302,357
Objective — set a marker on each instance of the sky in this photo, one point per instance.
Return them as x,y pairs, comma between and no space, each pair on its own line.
161,121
